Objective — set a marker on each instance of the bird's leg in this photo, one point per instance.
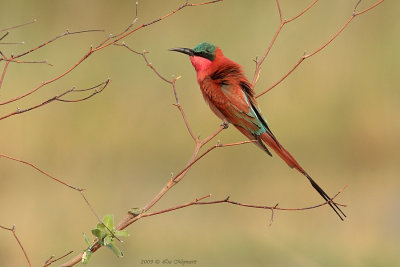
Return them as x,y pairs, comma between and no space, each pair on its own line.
225,124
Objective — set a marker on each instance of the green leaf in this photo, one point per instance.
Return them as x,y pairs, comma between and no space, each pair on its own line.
87,240
102,228
121,233
108,221
116,250
135,211
108,240
86,256
98,233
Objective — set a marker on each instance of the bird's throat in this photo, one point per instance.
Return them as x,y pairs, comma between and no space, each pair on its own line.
201,66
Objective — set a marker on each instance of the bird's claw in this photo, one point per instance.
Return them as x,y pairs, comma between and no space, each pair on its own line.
225,125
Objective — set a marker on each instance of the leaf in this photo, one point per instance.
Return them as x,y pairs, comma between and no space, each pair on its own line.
108,221
87,240
86,256
102,228
98,233
121,233
108,240
135,211
116,250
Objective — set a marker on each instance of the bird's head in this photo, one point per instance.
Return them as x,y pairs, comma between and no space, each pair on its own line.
201,56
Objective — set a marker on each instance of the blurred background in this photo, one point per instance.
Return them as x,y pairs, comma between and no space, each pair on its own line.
338,114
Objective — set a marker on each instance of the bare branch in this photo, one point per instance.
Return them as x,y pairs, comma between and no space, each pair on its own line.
61,98
51,260
282,24
92,50
66,33
4,35
3,74
43,172
305,56
172,82
198,201
18,26
19,242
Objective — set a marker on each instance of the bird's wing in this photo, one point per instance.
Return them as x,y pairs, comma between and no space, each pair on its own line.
244,109
238,108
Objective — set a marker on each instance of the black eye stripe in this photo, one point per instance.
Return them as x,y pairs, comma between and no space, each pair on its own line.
205,54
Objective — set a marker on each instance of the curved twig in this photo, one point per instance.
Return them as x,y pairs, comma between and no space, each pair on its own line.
305,56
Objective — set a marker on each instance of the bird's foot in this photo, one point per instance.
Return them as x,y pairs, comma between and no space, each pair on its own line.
225,124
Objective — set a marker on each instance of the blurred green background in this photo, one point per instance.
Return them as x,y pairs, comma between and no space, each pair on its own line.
338,114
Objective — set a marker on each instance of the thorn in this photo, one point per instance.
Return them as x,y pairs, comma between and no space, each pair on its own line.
171,174
123,43
110,35
34,20
177,78
18,110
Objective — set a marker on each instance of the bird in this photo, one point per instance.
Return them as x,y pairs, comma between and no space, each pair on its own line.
231,97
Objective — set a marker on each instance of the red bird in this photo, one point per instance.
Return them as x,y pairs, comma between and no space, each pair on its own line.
231,97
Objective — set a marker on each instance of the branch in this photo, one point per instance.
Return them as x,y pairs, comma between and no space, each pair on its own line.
17,26
61,97
106,43
282,24
43,172
61,182
198,201
305,56
3,74
51,260
171,82
19,242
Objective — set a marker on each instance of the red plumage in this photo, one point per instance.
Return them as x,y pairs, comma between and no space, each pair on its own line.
231,97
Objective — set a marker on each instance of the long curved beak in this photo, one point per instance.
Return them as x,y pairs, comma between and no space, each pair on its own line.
186,51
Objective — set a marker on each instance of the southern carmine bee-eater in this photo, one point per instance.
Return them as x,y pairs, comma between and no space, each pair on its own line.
231,97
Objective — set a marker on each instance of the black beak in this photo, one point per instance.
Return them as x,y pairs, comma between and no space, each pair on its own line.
186,51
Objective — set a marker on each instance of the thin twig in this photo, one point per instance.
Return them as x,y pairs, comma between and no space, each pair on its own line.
171,82
4,35
60,98
97,216
18,26
19,242
3,74
66,33
12,43
227,200
43,172
198,201
51,260
281,25
92,50
305,56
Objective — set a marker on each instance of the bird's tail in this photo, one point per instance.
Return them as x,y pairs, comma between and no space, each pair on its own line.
271,141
